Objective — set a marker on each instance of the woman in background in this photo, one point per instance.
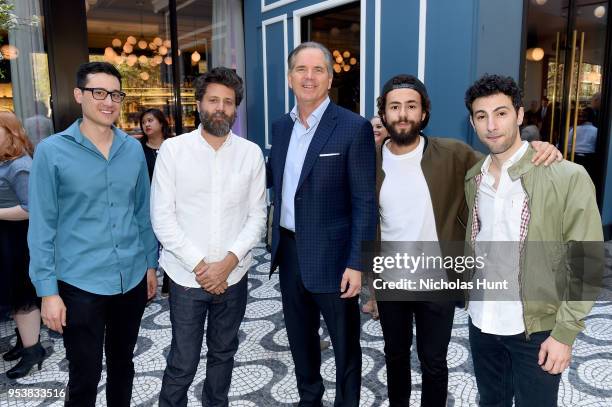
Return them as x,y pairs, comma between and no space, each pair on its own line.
17,290
155,129
380,131
370,307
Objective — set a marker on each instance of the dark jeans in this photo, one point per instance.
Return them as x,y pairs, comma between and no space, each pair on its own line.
188,310
94,322
507,367
302,310
434,322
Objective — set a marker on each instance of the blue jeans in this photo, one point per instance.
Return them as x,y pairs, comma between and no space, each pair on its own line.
188,310
507,367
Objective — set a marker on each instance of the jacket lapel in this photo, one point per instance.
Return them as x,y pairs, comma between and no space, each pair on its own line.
324,131
283,146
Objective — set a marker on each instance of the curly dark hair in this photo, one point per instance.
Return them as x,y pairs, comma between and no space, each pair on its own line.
404,81
223,76
489,85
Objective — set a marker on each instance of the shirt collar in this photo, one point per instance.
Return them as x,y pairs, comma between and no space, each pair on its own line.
315,116
228,141
74,132
510,161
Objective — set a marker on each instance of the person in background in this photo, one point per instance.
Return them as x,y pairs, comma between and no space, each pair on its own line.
155,129
38,126
380,131
586,142
370,307
531,132
16,290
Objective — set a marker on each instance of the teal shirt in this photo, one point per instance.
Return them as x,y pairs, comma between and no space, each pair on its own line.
89,216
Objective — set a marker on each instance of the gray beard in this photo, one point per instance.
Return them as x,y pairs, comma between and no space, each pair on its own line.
217,128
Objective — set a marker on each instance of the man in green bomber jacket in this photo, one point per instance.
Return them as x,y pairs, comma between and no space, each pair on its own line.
520,347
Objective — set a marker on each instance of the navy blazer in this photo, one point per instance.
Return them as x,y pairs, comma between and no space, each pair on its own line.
335,201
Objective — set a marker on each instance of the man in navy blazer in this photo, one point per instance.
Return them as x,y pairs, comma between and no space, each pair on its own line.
322,171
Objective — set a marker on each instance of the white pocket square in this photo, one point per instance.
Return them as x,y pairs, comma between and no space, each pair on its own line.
328,154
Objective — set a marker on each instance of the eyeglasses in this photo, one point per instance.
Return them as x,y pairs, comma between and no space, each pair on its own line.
101,94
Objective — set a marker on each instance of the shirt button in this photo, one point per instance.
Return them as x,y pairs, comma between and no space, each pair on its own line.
116,246
114,226
112,204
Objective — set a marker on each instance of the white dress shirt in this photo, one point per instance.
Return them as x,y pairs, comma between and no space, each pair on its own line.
499,212
206,203
296,154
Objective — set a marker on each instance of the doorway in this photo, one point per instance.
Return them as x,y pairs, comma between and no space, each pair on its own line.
339,29
564,71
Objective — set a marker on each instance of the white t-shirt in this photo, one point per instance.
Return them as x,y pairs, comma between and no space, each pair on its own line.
405,204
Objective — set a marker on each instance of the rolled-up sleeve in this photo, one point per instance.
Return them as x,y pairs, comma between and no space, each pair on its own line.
43,208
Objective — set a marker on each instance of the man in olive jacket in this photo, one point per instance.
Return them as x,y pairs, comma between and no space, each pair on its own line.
521,346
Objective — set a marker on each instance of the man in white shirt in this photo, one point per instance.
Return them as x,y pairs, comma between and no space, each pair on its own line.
208,210
522,343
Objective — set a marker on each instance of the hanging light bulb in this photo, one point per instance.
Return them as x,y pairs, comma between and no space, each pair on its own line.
132,59
157,41
195,57
353,61
599,11
144,76
116,42
152,46
167,44
128,48
143,59
168,61
142,44
158,59
131,40
163,50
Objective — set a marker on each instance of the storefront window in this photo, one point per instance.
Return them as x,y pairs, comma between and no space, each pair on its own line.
135,37
210,34
24,73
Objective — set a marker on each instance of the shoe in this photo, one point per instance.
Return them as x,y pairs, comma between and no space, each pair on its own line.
15,352
31,356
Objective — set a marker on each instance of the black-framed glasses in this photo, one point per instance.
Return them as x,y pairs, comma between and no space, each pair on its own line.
101,94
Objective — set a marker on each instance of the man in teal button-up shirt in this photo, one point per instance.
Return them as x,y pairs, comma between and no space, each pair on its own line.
91,241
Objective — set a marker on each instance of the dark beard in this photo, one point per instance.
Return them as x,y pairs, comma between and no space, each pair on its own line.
218,128
404,138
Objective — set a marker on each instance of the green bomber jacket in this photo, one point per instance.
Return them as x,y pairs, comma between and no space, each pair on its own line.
563,213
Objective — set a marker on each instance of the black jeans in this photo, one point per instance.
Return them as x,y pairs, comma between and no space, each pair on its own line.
434,322
188,310
507,367
302,311
95,322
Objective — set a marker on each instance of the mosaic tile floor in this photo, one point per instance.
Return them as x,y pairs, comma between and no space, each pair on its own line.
263,375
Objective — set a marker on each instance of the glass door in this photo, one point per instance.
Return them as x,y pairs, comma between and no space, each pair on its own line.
564,64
